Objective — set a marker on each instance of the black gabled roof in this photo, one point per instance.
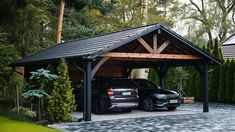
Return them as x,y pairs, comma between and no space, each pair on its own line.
89,48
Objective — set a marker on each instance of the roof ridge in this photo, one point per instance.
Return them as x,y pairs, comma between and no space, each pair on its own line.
99,35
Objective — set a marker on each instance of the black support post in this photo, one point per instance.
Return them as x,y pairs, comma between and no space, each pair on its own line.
162,81
161,71
205,88
87,93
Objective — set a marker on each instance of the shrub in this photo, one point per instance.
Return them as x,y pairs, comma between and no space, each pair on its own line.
222,83
62,104
229,82
152,76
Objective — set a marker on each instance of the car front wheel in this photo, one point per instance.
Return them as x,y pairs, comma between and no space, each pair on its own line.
147,104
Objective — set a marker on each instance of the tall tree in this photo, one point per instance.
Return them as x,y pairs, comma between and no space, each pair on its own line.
212,17
8,54
33,24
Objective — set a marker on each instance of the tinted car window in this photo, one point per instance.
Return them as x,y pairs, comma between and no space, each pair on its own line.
146,85
121,83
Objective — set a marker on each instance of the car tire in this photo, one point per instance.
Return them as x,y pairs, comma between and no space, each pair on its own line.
171,108
147,104
127,110
98,106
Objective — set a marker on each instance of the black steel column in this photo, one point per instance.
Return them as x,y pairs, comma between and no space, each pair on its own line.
161,71
87,93
205,88
162,81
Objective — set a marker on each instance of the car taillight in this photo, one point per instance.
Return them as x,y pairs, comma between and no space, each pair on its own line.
110,92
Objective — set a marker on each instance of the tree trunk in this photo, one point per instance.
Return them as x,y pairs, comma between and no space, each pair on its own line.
39,109
60,22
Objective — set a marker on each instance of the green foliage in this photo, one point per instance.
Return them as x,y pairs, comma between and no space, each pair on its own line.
152,76
62,103
198,87
25,111
33,23
9,124
214,78
190,83
176,80
35,93
229,81
8,54
39,80
208,18
42,76
222,83
214,82
233,82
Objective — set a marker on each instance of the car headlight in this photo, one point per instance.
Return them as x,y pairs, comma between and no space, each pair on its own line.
174,92
160,96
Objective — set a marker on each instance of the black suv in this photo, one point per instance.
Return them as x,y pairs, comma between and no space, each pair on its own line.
109,94
152,96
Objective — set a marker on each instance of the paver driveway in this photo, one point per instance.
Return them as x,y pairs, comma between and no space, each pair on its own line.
220,118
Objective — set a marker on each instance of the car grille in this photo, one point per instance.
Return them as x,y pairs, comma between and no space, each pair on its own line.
172,96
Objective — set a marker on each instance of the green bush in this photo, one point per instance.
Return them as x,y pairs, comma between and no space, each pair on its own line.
62,104
222,84
229,82
214,75
25,111
152,76
214,84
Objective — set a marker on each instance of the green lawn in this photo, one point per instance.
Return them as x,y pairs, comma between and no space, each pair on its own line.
12,125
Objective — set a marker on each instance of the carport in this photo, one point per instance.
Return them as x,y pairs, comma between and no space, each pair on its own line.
117,53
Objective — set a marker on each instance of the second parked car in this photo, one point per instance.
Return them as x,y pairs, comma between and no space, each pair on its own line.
110,94
152,96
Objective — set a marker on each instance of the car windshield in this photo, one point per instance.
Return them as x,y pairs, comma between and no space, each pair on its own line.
146,85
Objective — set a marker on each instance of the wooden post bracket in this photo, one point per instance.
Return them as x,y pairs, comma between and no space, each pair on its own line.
98,65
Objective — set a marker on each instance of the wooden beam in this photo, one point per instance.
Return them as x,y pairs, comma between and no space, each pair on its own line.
145,44
98,65
155,42
150,56
163,46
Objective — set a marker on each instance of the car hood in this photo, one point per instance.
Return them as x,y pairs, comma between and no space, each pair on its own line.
163,91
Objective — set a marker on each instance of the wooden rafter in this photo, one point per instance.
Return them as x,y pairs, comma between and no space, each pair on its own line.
145,44
163,46
149,56
98,65
155,42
